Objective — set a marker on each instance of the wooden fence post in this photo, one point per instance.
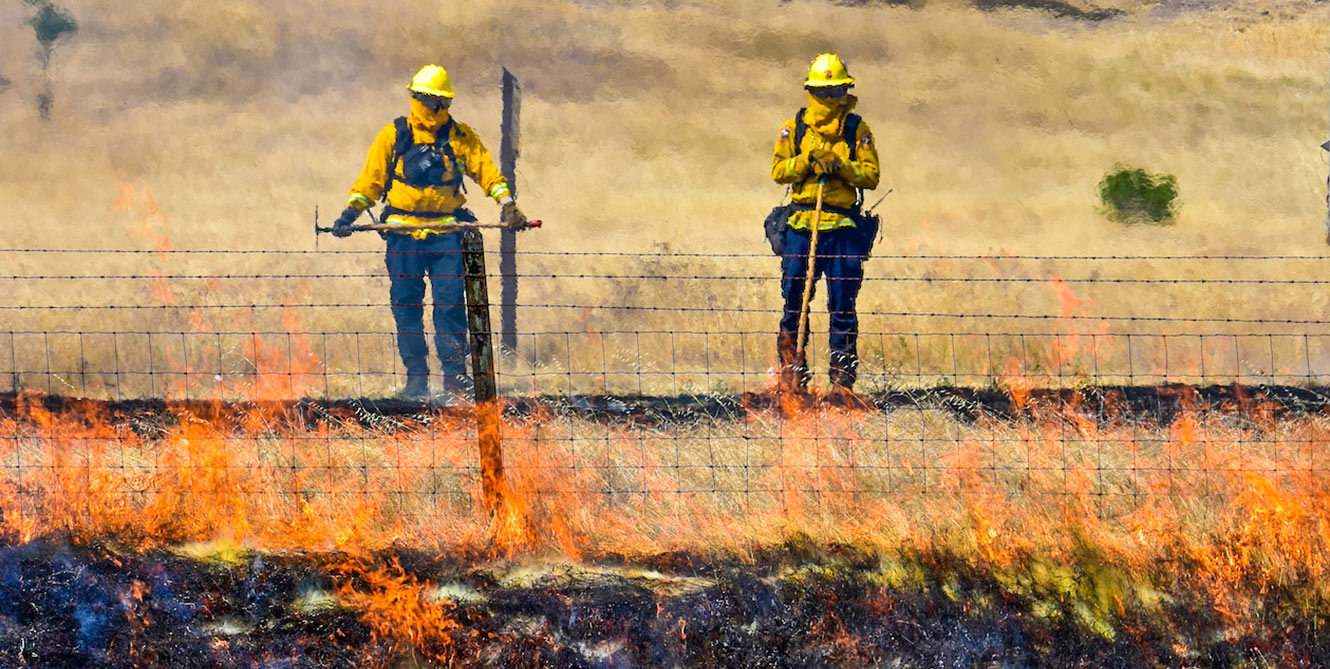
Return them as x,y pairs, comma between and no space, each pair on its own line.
488,411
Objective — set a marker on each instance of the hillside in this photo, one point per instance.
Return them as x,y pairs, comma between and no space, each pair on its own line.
995,126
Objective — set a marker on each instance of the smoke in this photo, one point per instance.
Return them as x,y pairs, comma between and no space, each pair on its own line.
140,54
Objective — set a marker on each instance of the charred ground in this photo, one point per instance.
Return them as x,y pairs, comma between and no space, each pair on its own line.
1156,405
793,605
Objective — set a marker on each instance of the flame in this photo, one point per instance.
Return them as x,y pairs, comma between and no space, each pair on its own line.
276,368
1239,518
1070,349
193,481
1016,384
398,610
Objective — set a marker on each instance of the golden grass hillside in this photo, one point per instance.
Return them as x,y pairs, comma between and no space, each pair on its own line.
648,127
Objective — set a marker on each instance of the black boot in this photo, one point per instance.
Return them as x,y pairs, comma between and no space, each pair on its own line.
842,379
417,387
844,370
456,391
843,373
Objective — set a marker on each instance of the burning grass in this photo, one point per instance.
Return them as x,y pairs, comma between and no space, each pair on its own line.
1064,532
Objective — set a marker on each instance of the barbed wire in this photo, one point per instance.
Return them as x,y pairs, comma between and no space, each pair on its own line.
674,309
674,277
971,356
680,332
677,254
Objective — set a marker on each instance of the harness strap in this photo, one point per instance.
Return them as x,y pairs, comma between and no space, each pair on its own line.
403,140
443,141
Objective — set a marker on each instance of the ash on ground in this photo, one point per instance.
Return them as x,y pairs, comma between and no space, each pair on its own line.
795,605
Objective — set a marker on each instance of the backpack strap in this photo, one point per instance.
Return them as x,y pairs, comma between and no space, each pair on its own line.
850,129
401,142
800,129
851,132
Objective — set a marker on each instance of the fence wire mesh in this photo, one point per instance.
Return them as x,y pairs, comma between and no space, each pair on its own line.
644,380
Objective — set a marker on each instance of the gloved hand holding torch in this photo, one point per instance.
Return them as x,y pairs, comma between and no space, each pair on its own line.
342,226
513,217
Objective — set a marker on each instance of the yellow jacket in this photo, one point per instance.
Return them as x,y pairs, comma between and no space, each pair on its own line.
825,119
466,145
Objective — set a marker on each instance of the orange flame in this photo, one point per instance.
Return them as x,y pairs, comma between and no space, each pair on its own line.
398,609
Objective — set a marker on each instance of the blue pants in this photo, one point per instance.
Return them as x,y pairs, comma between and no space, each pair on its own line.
409,261
840,258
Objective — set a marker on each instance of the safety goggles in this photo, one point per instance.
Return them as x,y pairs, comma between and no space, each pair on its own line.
432,102
829,91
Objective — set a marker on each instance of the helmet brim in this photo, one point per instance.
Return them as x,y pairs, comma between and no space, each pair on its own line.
824,83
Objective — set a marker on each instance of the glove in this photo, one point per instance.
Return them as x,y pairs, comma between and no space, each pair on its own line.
825,162
342,227
513,217
847,172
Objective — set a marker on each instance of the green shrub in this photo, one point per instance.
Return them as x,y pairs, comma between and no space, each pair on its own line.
1132,195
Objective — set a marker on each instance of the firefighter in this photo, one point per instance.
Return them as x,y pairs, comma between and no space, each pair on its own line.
416,166
824,143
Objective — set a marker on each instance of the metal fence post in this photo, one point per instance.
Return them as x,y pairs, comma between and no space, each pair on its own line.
488,412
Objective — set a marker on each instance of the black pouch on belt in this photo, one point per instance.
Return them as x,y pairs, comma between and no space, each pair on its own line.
867,225
775,225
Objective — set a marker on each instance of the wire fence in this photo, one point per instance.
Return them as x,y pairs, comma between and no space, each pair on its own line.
292,365
644,379
199,323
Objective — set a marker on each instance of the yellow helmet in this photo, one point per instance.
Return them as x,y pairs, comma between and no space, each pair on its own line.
828,70
432,80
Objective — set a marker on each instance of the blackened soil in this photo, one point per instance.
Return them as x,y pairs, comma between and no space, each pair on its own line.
67,606
1157,405
794,605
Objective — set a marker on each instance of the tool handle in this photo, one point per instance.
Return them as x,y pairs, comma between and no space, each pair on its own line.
448,227
879,200
801,337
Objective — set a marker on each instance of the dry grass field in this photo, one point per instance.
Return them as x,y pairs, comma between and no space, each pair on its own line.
647,129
